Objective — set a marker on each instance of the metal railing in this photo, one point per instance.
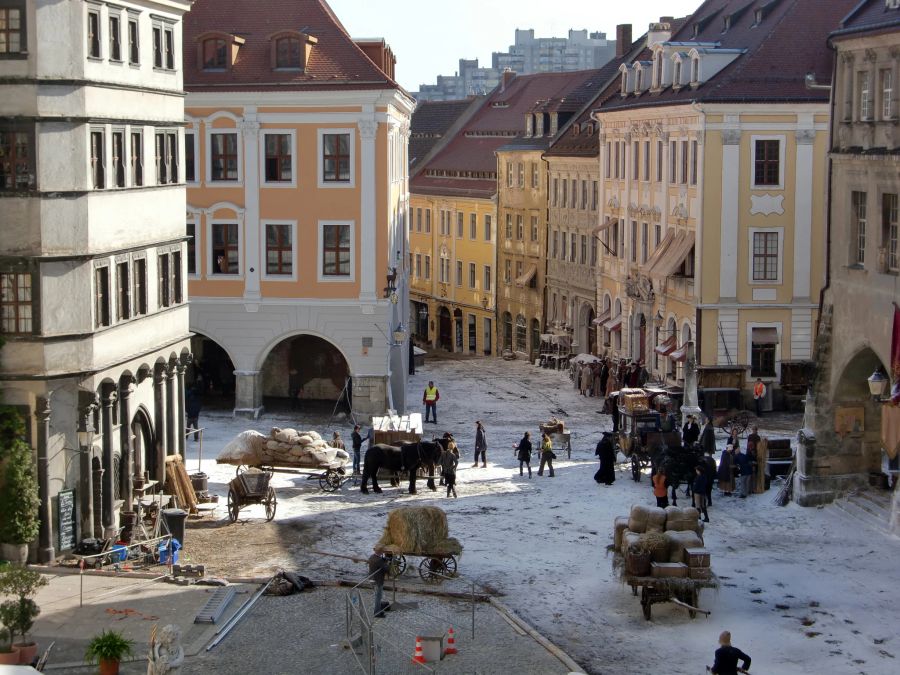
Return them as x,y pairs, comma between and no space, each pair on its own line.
112,553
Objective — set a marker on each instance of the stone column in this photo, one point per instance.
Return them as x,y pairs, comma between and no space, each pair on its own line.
803,200
171,409
126,443
731,169
108,491
179,387
252,260
247,394
86,414
368,131
159,396
97,496
46,550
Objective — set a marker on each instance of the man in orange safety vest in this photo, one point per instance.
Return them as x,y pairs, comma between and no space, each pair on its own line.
759,395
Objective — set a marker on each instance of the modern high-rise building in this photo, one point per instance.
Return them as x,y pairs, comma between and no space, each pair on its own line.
93,257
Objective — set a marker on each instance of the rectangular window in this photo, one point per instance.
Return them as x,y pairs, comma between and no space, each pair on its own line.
858,228
608,168
488,335
459,273
98,167
554,193
278,158
659,161
889,233
521,174
118,158
534,228
428,267
535,175
487,228
765,256
472,275
593,251
509,174
657,235
616,167
583,259
223,154
16,158
584,195
12,30
418,265
157,46
459,225
169,39
887,94
165,280
473,226
191,232
634,234
428,220
123,292
190,159
683,176
507,270
336,158
865,95
93,36
645,241
573,186
177,286
673,161
115,38
134,45
139,281
694,149
622,159
518,268
136,159
595,195
564,248
509,226
646,165
225,252
487,278
767,163
554,245
520,227
15,304
473,333
564,196
166,158
101,297
574,252
336,250
614,238
279,250
418,220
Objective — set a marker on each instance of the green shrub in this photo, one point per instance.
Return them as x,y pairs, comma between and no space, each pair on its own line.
108,646
19,500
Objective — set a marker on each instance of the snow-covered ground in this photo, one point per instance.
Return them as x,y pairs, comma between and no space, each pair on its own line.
803,590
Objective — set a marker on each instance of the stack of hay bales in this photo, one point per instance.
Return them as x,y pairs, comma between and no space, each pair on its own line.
418,530
284,447
679,528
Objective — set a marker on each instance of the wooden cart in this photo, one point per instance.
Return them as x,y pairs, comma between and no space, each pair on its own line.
683,592
248,488
434,567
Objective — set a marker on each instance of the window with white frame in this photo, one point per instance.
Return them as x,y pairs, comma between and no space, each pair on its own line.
521,169
418,265
473,226
685,157
459,224
645,173
115,36
193,265
765,256
336,158
520,227
584,195
673,161
535,175
336,251
864,94
564,248
763,351
595,195
507,271
659,161
645,241
459,273
223,156
118,157
15,303
889,233
93,34
279,249
102,300
534,228
487,228
190,157
428,267
13,36
123,292
509,174
887,94
428,220
225,249
98,159
634,237
487,278
139,286
694,160
768,163
635,160
166,157
279,153
134,40
858,223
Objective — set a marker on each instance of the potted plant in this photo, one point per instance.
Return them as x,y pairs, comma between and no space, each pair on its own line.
18,614
19,499
9,655
109,649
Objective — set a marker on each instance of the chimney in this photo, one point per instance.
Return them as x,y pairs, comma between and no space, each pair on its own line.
506,78
623,39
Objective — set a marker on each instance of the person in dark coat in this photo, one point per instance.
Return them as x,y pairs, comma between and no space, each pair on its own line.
449,460
357,440
690,433
613,403
193,403
725,474
606,451
727,657
734,440
378,568
480,445
745,472
604,376
699,488
708,438
709,462
523,453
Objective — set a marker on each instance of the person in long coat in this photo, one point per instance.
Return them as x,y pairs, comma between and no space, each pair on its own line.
523,453
606,451
708,438
726,471
598,387
586,379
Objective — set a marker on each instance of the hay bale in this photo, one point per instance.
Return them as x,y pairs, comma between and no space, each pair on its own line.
620,524
415,529
678,541
656,519
682,519
629,539
637,519
448,546
246,448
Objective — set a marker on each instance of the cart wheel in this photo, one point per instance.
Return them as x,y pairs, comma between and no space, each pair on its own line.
397,566
271,503
330,481
233,506
432,570
241,468
450,564
635,469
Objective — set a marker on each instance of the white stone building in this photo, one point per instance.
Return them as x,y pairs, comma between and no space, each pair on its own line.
92,258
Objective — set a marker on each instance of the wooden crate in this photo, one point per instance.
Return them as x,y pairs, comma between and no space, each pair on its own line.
696,557
669,570
635,401
702,573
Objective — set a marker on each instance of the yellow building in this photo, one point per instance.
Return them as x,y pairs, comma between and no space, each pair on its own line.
713,193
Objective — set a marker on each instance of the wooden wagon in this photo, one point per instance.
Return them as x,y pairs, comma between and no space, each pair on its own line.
248,488
682,592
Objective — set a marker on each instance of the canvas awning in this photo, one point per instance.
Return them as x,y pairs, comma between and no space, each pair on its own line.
614,324
765,336
602,227
667,347
603,318
661,249
672,259
528,275
679,355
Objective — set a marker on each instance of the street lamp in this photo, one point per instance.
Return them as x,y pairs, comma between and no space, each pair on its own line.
877,383
399,335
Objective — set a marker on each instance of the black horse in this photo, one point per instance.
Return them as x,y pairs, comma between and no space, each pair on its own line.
678,462
405,457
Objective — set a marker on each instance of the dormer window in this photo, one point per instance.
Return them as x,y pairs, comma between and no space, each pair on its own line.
539,127
576,129
217,51
215,55
676,76
624,89
529,124
726,23
287,52
657,70
695,70
628,77
290,50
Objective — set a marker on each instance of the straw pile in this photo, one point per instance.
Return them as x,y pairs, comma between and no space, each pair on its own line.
418,530
646,519
285,447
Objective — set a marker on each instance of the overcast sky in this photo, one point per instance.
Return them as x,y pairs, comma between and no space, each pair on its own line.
429,37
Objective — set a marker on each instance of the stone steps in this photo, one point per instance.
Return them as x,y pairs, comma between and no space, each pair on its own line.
872,509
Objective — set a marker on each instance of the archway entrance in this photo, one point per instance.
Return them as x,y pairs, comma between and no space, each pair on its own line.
445,329
213,371
591,346
306,373
860,416
144,444
458,329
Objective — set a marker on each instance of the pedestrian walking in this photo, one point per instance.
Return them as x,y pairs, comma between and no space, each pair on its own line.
690,432
727,657
193,403
523,453
726,471
357,441
606,451
480,445
597,387
709,463
604,378
430,398
745,472
698,486
759,395
660,489
378,568
449,462
708,438
586,379
547,455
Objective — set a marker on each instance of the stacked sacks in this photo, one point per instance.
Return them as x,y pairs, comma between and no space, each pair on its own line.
680,528
418,530
282,447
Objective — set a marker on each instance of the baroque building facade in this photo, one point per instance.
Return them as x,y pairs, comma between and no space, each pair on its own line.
93,259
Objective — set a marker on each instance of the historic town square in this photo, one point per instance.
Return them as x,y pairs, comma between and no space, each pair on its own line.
342,337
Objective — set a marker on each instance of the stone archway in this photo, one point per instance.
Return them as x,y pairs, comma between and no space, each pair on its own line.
445,329
212,372
852,385
144,444
304,372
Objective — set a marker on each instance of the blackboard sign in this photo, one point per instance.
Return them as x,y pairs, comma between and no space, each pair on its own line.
67,529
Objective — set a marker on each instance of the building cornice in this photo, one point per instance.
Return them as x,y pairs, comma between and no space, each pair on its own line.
80,83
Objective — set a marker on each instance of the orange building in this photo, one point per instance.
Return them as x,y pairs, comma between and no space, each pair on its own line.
296,156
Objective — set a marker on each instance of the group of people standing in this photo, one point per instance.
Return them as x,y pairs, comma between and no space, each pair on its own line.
601,378
737,467
524,450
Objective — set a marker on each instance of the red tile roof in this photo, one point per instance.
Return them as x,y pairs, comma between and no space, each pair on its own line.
790,42
499,120
335,61
430,123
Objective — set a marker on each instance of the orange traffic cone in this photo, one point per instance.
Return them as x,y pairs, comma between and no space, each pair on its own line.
419,656
451,642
